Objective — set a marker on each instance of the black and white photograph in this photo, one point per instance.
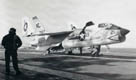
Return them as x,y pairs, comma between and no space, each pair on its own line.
68,40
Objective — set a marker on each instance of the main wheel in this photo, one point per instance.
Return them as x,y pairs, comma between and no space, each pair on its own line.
49,50
70,52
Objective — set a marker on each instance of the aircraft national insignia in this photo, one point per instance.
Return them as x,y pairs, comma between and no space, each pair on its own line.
25,26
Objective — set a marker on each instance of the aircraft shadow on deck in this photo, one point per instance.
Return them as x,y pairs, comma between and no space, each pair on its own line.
62,63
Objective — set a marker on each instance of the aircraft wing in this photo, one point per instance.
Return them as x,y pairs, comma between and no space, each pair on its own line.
59,33
55,38
52,34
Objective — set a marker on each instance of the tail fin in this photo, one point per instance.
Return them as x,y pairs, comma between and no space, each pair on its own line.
27,27
39,28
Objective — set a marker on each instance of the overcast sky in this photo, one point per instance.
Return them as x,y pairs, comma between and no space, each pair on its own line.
56,15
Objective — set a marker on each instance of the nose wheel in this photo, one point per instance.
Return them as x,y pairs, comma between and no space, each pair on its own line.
68,51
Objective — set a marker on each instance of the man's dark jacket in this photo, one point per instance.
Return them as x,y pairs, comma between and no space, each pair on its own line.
11,42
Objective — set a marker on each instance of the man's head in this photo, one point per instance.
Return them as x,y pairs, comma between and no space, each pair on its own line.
12,31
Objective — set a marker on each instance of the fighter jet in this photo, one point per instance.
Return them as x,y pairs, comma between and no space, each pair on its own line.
106,34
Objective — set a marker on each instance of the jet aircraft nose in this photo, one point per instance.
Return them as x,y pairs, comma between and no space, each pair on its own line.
124,32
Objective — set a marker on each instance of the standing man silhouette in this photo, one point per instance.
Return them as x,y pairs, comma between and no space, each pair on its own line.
11,43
